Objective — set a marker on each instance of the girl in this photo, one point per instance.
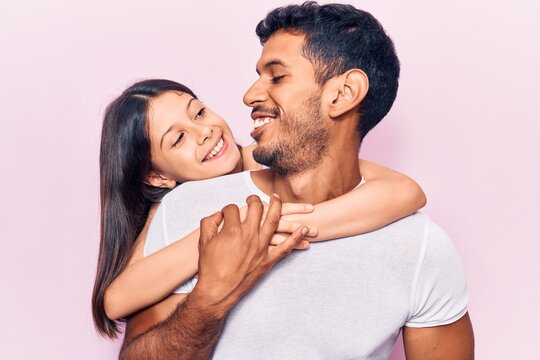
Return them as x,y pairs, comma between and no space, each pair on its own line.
157,135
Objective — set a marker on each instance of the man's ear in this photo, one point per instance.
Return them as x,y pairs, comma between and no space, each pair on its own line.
157,180
347,91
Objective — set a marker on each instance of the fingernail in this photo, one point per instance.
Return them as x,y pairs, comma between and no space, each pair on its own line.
309,207
304,231
313,232
276,195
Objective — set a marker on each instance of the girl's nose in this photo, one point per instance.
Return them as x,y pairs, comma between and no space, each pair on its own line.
205,133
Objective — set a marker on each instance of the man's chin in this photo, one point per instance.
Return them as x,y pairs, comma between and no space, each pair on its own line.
265,154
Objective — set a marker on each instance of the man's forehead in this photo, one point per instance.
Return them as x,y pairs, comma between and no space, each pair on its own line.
281,49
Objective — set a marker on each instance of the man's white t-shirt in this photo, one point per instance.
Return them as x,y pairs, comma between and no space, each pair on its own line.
341,299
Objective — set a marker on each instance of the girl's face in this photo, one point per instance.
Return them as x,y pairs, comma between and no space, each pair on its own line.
188,141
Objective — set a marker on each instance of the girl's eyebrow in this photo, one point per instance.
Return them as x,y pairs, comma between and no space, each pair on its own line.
189,103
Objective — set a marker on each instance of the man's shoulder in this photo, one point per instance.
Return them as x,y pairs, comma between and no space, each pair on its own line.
417,231
433,242
182,208
207,188
416,224
431,231
418,218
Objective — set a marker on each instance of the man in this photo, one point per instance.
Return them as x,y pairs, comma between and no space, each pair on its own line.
328,75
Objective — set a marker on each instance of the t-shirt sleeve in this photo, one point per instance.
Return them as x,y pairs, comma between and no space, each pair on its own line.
439,294
157,238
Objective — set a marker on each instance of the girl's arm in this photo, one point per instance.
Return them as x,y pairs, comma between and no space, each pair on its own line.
147,280
385,197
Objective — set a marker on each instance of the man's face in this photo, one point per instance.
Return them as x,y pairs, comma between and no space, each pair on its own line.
289,127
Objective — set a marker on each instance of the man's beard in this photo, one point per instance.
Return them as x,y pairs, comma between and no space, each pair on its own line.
302,141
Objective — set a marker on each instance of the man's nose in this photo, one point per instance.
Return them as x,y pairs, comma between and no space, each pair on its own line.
255,94
204,133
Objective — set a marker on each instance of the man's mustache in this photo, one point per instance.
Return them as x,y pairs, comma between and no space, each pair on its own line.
267,110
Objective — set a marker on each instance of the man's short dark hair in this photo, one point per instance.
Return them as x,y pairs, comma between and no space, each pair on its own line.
339,38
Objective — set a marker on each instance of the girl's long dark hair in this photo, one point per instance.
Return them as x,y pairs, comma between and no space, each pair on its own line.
124,162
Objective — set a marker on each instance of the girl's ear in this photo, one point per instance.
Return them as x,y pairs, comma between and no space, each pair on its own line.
160,181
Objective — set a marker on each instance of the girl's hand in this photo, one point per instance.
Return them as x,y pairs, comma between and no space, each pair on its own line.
286,228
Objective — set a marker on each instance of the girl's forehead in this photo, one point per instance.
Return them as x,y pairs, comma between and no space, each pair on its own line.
170,107
170,100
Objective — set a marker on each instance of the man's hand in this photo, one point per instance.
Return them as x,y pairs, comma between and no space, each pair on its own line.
286,228
232,260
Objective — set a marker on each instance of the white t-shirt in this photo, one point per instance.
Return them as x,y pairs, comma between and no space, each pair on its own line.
341,299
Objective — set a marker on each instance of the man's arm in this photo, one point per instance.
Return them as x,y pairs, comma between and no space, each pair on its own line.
231,261
439,326
190,332
447,342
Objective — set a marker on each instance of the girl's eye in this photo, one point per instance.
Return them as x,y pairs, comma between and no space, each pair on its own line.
276,79
180,137
200,114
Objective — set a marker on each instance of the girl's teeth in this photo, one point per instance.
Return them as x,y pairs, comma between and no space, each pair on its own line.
217,149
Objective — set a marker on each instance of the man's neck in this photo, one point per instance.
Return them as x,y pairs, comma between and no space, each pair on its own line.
336,175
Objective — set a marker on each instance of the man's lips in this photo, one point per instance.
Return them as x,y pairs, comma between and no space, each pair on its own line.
260,114
260,122
256,133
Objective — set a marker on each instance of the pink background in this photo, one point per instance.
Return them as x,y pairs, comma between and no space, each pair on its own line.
465,125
